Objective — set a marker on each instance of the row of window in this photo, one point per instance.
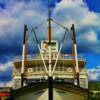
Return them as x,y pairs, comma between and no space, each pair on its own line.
42,69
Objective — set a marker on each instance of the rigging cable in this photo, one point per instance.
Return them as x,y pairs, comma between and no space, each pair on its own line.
63,39
40,51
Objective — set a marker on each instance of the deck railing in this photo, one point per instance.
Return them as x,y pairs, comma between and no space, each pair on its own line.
38,57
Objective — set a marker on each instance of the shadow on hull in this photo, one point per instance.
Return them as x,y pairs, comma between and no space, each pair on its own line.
61,91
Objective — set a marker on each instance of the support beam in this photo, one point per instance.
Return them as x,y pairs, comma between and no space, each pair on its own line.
50,77
50,88
22,79
74,47
25,38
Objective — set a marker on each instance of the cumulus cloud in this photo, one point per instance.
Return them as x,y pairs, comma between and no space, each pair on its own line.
19,12
76,10
8,84
6,71
15,13
4,67
94,73
86,23
68,4
13,17
89,18
89,37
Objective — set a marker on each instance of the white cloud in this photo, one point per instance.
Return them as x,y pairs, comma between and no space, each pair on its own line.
77,11
94,73
72,11
68,4
9,84
89,37
5,67
93,76
69,23
6,84
7,24
89,18
16,14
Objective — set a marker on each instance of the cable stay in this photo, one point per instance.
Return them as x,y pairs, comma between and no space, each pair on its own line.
36,27
40,51
62,43
59,24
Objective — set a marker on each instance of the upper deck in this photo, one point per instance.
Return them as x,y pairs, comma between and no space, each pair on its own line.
64,60
34,64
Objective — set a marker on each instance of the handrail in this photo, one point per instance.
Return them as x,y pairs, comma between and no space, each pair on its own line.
37,57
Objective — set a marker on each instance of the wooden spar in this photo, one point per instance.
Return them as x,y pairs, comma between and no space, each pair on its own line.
74,50
49,38
25,38
49,23
72,44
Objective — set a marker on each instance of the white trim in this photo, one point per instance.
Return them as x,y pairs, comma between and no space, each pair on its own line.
42,58
57,58
76,58
23,58
50,70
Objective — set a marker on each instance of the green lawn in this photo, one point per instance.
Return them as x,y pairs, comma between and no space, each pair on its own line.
94,86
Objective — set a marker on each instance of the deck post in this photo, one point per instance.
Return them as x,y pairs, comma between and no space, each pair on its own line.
22,79
75,54
78,79
24,51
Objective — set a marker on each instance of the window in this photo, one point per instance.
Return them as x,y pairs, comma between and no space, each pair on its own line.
30,70
69,69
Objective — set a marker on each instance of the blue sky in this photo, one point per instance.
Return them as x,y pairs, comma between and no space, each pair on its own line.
85,14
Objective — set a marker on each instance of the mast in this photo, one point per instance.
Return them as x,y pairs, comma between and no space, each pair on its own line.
24,55
49,37
74,47
50,78
49,23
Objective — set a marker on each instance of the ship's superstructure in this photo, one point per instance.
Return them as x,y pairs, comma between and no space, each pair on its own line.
35,70
50,74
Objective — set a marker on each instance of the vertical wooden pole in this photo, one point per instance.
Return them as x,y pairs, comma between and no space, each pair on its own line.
75,54
50,78
24,55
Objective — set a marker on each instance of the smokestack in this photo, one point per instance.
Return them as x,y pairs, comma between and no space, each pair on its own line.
75,53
